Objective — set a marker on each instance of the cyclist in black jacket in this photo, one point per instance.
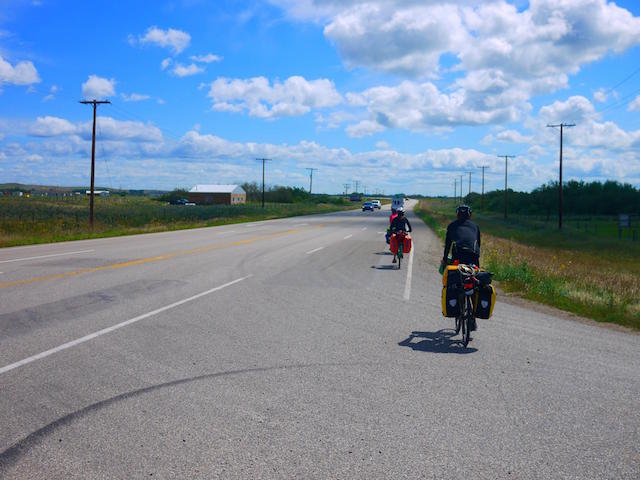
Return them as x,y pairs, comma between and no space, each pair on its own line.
463,238
400,224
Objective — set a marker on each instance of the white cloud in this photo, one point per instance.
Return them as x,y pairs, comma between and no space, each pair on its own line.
52,94
600,95
51,127
420,107
186,71
174,39
382,145
208,58
513,136
294,96
34,158
98,87
634,106
504,53
134,97
165,63
23,73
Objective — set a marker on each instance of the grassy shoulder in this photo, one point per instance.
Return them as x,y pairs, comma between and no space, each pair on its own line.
26,221
592,277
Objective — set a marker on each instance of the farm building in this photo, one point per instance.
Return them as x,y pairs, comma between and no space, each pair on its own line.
218,194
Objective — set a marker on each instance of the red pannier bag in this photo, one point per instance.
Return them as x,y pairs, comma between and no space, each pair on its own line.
406,246
393,244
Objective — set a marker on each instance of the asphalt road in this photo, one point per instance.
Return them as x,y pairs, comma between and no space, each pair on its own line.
290,349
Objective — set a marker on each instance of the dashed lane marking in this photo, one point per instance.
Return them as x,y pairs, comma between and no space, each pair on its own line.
91,336
314,250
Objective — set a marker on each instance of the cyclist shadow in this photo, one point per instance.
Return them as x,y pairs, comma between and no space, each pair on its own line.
436,342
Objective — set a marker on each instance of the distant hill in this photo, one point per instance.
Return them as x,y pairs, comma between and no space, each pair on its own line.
21,187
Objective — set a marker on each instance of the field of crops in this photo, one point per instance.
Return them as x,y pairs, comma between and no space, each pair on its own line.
40,220
590,273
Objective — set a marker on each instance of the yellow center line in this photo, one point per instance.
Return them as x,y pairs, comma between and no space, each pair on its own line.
157,258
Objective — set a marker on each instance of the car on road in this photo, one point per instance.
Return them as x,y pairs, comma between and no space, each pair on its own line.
367,206
376,204
180,201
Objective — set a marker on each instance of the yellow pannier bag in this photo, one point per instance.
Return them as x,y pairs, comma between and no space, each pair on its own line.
485,301
445,275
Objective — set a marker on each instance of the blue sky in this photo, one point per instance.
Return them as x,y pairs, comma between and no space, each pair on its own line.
400,95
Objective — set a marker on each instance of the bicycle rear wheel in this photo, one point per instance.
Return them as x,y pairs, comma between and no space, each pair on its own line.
466,321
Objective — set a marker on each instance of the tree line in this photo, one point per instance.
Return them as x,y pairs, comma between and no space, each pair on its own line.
579,197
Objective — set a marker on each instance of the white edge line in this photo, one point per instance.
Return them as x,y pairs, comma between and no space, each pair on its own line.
227,232
314,250
45,256
91,336
364,228
407,285
348,236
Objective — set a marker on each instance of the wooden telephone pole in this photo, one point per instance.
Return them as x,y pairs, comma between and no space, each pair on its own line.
263,160
506,159
561,125
482,197
95,104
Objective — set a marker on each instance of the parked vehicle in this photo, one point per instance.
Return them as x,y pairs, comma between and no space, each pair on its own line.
180,201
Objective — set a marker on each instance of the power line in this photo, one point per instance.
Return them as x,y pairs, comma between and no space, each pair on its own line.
561,125
95,104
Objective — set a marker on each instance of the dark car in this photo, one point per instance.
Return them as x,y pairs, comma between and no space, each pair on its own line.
180,201
367,206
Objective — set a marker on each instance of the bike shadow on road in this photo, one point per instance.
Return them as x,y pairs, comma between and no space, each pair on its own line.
441,341
392,266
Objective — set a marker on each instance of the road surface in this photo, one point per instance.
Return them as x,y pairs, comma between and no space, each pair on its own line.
291,349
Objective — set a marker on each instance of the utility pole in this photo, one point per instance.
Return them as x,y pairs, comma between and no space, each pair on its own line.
311,180
506,159
95,104
561,125
455,189
346,188
482,198
263,160
461,199
469,182
357,184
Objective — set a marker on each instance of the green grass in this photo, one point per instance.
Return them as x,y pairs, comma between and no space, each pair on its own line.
25,221
595,276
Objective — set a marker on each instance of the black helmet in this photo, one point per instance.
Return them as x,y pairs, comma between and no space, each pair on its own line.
463,210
